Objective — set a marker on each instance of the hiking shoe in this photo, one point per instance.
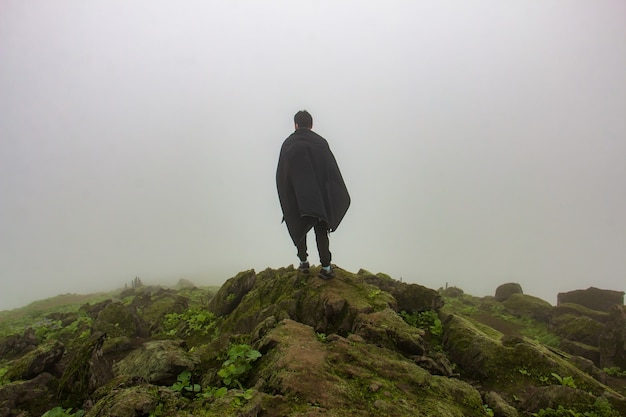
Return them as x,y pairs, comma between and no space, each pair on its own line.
324,274
304,267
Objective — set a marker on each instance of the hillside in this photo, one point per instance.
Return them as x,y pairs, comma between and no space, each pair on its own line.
282,343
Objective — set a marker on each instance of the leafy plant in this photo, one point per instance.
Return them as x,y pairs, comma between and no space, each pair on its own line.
559,412
428,320
192,321
567,381
238,364
615,371
183,383
488,410
524,371
321,337
60,412
374,293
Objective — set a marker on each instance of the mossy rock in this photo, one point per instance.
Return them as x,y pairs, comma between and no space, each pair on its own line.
578,310
387,329
507,369
86,371
115,320
523,305
28,398
232,292
158,361
341,377
141,400
580,329
505,291
161,304
329,306
33,363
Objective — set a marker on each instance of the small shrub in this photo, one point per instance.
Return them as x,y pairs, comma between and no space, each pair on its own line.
567,381
183,384
238,364
60,412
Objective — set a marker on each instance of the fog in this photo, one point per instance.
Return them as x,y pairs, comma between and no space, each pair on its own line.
482,142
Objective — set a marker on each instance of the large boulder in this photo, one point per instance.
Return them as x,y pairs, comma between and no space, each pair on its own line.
523,305
504,291
35,362
232,292
158,362
28,398
348,376
580,329
593,298
612,343
409,297
16,345
87,370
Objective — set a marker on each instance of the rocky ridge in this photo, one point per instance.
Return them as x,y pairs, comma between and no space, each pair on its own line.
281,343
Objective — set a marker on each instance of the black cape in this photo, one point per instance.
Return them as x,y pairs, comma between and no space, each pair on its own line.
309,184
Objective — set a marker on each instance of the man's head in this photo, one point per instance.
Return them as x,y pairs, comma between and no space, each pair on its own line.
303,119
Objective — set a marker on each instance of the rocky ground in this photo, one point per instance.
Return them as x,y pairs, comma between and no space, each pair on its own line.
282,343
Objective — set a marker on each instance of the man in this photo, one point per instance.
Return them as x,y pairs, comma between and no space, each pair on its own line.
311,191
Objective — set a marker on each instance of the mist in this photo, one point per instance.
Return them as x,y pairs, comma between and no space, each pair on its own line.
481,142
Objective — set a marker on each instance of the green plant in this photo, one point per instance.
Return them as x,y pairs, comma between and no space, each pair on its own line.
615,371
374,293
428,320
238,364
60,412
567,381
321,337
559,412
192,321
183,383
523,371
488,410
602,408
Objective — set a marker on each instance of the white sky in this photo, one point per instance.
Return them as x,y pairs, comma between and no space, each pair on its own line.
482,142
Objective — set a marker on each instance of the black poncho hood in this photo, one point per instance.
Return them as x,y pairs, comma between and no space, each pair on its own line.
309,183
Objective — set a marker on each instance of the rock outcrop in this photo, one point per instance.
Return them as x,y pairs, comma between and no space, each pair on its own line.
593,298
282,343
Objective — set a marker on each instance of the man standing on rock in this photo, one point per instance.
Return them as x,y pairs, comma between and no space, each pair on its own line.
311,191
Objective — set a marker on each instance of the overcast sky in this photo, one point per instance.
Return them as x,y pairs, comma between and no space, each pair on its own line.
482,142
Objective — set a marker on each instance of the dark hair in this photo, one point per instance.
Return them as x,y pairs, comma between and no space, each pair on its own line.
303,119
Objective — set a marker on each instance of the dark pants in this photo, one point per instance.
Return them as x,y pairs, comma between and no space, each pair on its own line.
321,237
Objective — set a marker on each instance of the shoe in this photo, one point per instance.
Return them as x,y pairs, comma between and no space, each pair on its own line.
304,267
324,274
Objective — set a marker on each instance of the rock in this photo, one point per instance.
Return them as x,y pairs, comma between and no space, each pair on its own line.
481,356
28,398
581,329
134,401
184,283
33,363
504,291
115,320
593,298
578,310
591,353
500,407
409,297
612,342
387,329
16,345
329,376
231,293
522,305
158,362
554,396
86,371
452,292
